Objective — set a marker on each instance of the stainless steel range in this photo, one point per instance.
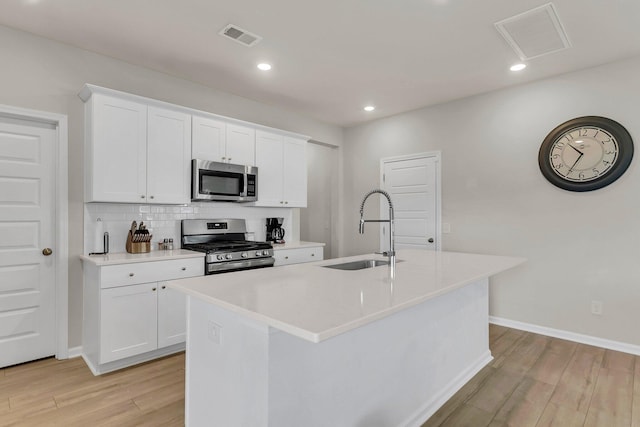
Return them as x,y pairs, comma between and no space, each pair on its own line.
224,241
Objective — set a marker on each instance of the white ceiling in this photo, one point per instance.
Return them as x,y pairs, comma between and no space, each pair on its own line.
332,57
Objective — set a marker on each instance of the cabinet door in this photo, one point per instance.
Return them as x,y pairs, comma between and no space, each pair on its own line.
241,145
295,173
270,169
116,150
172,316
168,156
208,139
128,321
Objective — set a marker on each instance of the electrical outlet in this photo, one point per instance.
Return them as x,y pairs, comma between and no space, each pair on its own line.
596,308
213,332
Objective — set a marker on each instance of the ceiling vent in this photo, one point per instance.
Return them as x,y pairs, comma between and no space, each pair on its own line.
239,35
534,33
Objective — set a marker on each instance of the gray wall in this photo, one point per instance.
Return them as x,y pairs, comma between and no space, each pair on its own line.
40,74
580,246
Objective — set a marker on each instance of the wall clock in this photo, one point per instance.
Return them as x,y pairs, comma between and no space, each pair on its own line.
585,153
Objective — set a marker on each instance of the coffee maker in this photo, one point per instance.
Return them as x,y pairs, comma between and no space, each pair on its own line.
275,232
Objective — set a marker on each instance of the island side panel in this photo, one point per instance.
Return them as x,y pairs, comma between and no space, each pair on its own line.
226,368
395,371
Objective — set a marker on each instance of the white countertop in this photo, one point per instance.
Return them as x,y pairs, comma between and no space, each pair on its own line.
127,258
317,303
296,245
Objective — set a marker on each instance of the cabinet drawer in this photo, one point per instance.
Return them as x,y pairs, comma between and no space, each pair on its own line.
298,255
145,272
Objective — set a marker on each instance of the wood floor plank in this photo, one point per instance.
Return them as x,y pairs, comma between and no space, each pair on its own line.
525,405
618,361
495,332
555,415
494,391
468,416
552,362
613,395
597,418
502,347
525,354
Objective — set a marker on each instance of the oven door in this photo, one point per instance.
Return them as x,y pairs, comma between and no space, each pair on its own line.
223,181
223,267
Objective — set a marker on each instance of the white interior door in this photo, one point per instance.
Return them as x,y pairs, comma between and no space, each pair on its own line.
413,184
27,274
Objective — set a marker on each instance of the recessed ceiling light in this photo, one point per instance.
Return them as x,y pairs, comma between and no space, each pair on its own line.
264,66
518,67
369,108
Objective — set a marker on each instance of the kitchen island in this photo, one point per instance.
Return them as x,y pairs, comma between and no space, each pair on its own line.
316,346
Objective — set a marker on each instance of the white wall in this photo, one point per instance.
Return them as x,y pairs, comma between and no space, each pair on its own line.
580,246
40,74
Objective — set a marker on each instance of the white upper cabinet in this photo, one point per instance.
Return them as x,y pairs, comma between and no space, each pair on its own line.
282,170
241,145
135,153
168,156
219,141
115,150
139,150
294,186
209,139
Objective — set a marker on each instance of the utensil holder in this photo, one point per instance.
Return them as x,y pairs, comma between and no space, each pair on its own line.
137,247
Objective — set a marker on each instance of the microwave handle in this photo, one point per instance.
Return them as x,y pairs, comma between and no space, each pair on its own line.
244,193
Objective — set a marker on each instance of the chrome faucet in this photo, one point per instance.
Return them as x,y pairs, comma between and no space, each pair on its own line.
391,253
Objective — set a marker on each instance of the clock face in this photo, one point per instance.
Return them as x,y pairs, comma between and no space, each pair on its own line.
586,153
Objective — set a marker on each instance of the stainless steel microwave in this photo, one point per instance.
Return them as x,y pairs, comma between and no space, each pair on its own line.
216,181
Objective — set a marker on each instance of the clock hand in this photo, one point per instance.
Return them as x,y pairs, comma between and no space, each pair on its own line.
581,153
576,162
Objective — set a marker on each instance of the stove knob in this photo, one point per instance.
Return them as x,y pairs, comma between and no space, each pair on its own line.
244,255
220,257
265,253
229,256
258,253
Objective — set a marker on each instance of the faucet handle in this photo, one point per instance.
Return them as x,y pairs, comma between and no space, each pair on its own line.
385,253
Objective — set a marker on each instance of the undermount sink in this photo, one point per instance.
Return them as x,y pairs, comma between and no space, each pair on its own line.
358,265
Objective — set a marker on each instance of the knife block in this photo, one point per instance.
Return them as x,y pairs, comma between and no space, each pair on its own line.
137,247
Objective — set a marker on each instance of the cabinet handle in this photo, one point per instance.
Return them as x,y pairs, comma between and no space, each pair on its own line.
164,287
151,197
184,268
281,202
131,274
224,158
142,196
229,158
313,254
286,257
286,203
153,289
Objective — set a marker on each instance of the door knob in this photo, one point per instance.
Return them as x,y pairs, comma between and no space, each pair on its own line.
47,251
430,240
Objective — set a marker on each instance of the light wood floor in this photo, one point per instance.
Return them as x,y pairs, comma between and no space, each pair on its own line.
532,381
537,381
65,393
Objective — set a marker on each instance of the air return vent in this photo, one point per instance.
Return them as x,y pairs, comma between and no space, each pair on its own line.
239,35
534,33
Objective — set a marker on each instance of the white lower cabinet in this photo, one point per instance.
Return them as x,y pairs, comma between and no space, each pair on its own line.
298,255
129,319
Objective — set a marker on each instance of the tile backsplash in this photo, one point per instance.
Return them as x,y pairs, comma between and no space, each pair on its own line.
163,221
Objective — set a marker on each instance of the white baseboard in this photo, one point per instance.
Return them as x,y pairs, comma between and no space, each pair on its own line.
567,335
75,352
